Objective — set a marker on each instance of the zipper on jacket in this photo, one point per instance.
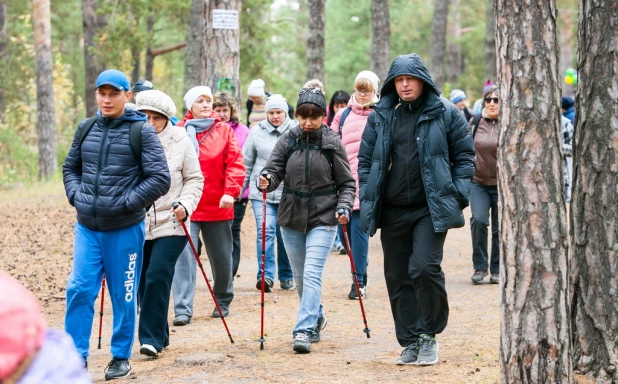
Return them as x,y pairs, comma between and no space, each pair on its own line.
96,180
307,180
491,140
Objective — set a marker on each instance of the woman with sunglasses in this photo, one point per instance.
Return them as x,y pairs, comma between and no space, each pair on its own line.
318,194
484,192
350,123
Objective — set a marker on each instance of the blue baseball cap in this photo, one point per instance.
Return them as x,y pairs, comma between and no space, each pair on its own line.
115,78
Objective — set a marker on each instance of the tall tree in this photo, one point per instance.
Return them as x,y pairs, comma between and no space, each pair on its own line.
315,41
380,39
490,42
454,47
438,41
3,44
93,24
534,310
46,124
594,209
222,47
195,71
149,56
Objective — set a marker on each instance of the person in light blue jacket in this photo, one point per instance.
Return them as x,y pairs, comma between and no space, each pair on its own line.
260,143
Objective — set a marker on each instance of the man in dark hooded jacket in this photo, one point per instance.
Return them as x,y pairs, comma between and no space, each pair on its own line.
416,162
110,182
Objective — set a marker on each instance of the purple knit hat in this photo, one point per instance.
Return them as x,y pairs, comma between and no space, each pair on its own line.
488,84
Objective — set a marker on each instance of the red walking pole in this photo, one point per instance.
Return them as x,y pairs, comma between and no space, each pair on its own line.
360,298
101,311
199,263
262,340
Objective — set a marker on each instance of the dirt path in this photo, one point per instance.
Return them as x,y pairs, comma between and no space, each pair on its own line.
36,247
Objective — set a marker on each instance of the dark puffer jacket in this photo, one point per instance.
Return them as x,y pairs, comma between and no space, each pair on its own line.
446,152
103,180
313,190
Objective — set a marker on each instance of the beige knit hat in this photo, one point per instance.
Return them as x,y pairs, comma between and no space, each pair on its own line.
156,101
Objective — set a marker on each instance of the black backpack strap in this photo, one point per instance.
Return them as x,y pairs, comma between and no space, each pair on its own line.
475,123
135,138
86,128
344,116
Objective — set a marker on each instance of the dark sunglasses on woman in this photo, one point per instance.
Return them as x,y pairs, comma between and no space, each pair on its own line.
488,100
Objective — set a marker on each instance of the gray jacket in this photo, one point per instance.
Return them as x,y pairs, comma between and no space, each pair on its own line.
256,151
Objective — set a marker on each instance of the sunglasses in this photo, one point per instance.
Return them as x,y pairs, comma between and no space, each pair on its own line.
488,100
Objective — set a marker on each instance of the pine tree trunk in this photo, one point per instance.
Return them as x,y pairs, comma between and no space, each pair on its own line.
222,47
490,42
594,209
136,62
534,312
149,57
93,24
195,66
315,42
46,124
438,41
3,45
380,39
454,48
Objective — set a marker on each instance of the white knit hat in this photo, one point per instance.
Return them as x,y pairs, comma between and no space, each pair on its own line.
276,102
157,101
256,88
194,93
372,77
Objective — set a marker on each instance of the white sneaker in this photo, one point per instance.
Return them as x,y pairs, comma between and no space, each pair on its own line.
148,350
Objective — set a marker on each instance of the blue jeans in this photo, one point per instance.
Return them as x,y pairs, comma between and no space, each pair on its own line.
308,253
117,254
359,241
483,199
272,232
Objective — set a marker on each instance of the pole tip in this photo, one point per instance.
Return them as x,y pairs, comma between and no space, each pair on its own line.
261,346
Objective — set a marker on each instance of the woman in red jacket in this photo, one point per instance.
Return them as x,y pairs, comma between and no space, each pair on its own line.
223,168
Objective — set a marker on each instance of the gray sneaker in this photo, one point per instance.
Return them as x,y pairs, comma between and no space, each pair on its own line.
181,320
318,329
428,351
302,343
409,354
478,276
494,278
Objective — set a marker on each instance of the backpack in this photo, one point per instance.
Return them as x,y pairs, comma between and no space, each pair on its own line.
475,123
135,136
344,116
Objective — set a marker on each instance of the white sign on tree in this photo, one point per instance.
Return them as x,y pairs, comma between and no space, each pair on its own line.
224,19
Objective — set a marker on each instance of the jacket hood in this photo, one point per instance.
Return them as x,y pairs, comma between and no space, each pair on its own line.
411,65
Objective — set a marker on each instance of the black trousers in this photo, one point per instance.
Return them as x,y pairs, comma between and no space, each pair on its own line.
239,213
155,285
414,278
483,199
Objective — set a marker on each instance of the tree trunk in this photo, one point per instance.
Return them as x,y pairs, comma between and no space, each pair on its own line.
3,45
454,48
315,42
594,209
149,56
136,62
490,42
438,41
195,69
222,46
380,39
534,311
93,24
46,123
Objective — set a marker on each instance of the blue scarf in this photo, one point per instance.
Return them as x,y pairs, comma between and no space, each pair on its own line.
195,126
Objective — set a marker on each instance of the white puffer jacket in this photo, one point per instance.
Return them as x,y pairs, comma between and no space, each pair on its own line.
186,187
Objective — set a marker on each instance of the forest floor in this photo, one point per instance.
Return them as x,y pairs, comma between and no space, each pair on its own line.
36,240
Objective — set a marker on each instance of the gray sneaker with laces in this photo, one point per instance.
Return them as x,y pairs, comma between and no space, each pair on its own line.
315,337
409,354
428,350
302,343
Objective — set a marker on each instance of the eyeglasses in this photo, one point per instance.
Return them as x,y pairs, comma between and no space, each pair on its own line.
488,100
362,93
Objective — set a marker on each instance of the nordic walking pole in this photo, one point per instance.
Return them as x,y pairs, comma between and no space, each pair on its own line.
101,311
262,340
199,263
360,298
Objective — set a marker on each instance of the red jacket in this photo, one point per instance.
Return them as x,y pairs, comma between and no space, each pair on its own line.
223,168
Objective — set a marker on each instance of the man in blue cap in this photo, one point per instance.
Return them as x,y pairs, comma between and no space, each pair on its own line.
115,168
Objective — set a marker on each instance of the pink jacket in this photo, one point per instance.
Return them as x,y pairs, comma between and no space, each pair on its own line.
353,128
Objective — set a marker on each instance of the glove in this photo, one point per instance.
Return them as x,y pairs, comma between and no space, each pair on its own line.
344,212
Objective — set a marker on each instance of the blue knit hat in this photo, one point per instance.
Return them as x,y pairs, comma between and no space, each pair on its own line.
457,95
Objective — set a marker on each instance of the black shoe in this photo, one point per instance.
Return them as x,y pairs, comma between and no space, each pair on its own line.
224,311
287,285
117,368
302,343
181,320
318,329
353,295
268,285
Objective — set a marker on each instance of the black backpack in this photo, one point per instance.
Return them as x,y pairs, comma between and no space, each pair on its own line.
344,116
475,123
135,136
